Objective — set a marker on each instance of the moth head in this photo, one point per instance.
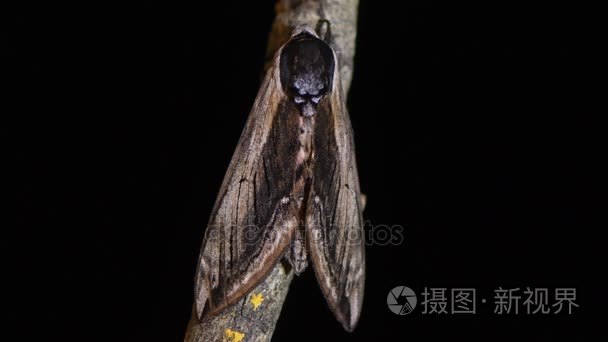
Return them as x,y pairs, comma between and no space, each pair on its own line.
306,67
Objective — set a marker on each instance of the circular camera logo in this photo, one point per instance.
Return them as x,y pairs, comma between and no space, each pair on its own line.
401,300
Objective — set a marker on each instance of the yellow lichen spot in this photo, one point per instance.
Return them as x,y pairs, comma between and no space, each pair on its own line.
233,336
256,300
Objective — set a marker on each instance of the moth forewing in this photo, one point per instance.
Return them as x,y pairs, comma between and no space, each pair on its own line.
248,217
334,216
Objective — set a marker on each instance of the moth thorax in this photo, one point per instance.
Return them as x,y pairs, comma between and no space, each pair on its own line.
307,67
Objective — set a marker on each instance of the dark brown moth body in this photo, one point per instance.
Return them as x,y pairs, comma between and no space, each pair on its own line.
291,190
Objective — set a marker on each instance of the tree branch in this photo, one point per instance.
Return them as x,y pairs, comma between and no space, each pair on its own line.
254,317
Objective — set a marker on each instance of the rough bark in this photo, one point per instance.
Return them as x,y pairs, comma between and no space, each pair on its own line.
254,317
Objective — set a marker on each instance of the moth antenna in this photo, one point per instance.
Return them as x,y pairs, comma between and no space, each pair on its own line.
327,32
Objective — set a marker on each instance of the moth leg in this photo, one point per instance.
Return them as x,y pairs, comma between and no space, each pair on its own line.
363,201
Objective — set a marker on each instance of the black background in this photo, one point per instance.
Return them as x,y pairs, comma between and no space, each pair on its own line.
473,132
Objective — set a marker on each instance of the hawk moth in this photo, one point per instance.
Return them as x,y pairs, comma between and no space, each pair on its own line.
291,190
